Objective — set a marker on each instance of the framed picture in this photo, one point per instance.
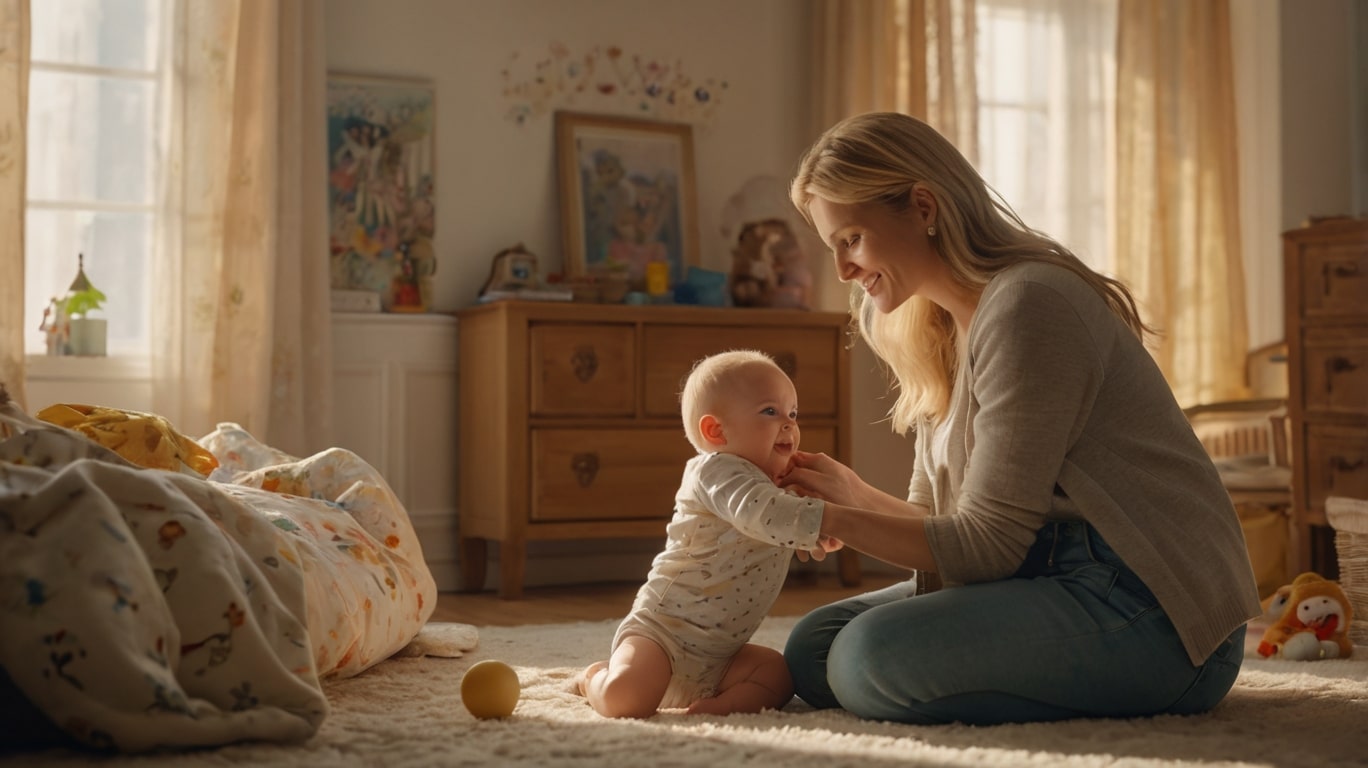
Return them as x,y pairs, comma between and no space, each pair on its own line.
381,201
627,195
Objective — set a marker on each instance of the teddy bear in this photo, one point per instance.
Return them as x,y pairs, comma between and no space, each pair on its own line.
1310,620
768,267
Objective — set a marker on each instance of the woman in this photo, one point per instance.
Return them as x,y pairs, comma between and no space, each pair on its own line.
1093,563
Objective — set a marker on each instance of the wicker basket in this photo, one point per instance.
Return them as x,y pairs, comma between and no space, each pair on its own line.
1349,518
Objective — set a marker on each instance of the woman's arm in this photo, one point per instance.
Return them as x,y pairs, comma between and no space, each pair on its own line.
895,539
861,516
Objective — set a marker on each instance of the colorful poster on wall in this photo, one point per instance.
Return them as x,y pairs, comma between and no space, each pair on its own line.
381,202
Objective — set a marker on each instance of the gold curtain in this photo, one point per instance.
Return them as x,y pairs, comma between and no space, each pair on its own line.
14,74
1177,201
242,331
909,56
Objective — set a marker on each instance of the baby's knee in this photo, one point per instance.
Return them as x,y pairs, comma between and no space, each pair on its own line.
620,696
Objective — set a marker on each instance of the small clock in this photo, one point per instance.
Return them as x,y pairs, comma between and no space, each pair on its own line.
512,269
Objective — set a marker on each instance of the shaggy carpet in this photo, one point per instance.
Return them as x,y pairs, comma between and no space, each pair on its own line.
408,712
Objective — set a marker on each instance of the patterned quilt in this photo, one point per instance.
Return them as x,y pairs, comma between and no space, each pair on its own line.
143,608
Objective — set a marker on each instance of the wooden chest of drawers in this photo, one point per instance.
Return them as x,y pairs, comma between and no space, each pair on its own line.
570,416
1326,282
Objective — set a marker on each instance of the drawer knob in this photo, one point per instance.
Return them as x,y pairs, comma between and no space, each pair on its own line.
788,363
1334,365
584,362
1337,269
1342,464
585,466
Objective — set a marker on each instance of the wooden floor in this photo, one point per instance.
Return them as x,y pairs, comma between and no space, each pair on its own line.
595,602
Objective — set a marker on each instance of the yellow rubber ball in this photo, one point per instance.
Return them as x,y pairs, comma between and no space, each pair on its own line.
490,689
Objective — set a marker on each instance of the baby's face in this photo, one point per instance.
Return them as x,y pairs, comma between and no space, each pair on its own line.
760,420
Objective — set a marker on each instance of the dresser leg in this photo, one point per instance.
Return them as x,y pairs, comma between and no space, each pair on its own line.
512,569
848,562
472,555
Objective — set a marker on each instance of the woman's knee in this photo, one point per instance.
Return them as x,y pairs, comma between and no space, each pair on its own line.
811,636
878,674
806,651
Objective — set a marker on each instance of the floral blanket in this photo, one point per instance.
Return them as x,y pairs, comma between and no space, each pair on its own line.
144,608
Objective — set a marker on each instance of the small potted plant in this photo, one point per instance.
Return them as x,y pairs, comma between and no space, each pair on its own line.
88,334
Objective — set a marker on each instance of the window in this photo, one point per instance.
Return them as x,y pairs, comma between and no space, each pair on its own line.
94,158
1046,75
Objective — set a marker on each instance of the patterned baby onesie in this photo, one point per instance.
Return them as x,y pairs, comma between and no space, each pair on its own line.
725,560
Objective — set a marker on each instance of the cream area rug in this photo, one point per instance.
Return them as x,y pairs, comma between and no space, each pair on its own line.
408,712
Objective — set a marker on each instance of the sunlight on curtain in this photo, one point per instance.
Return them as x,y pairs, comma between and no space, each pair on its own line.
1046,95
241,330
910,56
1178,236
14,65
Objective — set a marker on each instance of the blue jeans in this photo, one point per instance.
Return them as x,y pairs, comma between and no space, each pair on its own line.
1074,633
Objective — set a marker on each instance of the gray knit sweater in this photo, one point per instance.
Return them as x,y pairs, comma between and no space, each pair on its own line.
1059,412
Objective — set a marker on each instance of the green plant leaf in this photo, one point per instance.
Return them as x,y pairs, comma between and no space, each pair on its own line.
83,302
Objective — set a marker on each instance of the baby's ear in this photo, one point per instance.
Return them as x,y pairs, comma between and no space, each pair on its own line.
711,429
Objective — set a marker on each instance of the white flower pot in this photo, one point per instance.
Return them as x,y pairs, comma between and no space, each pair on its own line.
88,336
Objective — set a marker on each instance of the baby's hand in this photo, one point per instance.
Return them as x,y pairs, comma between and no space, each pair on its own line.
825,544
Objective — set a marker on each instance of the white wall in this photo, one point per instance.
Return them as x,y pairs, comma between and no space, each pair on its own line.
1318,61
496,179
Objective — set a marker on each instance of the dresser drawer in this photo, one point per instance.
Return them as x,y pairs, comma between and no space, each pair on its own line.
582,370
1335,373
807,355
1335,280
1336,463
606,474
613,474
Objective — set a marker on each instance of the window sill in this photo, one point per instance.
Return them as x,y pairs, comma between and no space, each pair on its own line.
114,368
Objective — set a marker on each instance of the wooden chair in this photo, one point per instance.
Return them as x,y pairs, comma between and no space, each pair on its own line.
1248,440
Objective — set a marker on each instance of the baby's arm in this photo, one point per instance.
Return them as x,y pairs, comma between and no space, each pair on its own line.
756,679
738,492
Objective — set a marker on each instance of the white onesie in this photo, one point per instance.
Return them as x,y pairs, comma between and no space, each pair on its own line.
725,559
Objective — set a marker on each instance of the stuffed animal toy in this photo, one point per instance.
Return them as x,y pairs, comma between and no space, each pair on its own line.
769,268
754,274
1313,622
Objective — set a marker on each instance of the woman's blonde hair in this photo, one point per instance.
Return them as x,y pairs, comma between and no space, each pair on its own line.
878,158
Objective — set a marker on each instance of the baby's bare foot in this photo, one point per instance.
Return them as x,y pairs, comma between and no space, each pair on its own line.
581,681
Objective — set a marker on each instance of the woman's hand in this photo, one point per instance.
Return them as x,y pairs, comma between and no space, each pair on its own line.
819,476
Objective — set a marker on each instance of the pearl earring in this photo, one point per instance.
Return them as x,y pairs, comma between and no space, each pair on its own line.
931,231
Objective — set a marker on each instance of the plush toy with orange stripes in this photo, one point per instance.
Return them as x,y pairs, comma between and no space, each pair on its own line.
1311,622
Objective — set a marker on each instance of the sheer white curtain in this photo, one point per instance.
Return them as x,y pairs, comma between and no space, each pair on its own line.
1046,95
14,66
1178,229
910,56
241,326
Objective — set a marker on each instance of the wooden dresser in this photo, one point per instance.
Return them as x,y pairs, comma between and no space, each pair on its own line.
569,416
1326,282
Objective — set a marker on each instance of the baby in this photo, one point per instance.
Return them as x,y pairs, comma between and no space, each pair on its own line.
685,642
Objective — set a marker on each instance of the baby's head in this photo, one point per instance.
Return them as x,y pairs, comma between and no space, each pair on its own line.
742,403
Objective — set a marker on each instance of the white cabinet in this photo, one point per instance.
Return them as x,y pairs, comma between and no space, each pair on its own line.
394,404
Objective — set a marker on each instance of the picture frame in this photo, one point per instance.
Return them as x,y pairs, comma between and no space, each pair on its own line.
627,196
382,169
